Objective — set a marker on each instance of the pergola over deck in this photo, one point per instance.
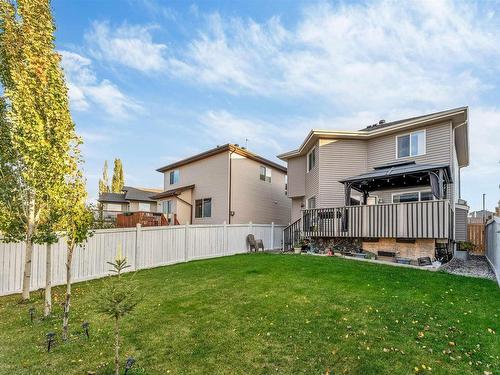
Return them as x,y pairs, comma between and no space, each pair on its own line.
399,175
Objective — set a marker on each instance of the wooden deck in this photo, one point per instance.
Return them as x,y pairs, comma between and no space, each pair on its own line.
427,219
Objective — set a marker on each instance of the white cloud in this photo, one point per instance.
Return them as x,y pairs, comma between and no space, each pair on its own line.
85,89
224,127
128,45
355,56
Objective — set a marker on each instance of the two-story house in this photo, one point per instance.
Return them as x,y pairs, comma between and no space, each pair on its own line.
130,199
392,186
225,184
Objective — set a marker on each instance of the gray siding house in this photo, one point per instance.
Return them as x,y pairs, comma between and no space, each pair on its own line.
392,186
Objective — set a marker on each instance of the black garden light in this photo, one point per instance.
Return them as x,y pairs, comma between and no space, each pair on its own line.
32,313
128,365
85,326
50,340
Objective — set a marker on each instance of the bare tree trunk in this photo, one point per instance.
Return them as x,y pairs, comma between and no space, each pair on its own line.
48,281
117,347
30,230
67,302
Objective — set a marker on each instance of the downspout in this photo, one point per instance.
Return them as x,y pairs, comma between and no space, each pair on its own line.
229,186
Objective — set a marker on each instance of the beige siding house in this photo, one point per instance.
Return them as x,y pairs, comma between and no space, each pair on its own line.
131,199
390,185
225,184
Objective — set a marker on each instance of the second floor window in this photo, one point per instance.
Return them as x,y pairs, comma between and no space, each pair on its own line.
311,159
412,144
174,177
265,174
203,208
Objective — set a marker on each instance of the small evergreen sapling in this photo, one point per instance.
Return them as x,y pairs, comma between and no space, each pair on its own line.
117,298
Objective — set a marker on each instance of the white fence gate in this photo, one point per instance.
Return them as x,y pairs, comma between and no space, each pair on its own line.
143,247
493,245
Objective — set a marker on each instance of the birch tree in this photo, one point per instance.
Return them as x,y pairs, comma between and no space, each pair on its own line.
76,223
39,138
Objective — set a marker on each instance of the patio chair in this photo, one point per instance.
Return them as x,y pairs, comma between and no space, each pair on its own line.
254,244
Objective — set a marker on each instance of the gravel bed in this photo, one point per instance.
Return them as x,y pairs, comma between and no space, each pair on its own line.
475,266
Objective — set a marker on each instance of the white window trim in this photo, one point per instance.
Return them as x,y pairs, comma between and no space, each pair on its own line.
202,217
411,192
170,173
410,133
307,160
268,174
307,201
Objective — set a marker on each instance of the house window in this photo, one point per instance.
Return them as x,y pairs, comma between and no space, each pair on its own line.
311,202
166,207
412,144
413,196
174,177
144,207
311,159
265,174
203,208
113,207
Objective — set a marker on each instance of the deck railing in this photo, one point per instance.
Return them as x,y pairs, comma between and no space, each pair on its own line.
427,219
292,234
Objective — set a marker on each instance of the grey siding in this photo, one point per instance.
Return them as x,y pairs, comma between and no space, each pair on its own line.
312,179
382,150
439,150
339,159
296,208
461,224
297,177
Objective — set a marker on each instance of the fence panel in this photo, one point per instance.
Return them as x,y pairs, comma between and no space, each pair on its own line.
475,234
144,247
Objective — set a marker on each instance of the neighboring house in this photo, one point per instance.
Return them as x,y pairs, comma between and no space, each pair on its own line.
481,216
131,199
225,184
391,186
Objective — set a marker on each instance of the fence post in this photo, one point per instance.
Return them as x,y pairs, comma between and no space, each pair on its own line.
272,236
250,227
186,241
138,239
225,244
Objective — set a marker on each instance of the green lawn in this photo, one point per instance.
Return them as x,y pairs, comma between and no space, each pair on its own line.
272,314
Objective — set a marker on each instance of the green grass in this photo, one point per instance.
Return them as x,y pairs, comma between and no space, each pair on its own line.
271,314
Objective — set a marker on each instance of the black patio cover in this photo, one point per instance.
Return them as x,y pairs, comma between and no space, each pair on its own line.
399,175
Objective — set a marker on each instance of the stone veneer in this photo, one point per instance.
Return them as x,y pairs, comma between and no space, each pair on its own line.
421,248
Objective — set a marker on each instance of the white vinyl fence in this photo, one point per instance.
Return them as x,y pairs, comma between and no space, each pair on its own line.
493,245
143,247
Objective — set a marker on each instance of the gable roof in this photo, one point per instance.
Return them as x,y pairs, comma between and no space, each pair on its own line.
112,197
224,148
128,194
173,192
140,194
458,117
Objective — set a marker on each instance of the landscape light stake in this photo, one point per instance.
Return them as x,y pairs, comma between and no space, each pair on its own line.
50,340
128,365
32,313
85,326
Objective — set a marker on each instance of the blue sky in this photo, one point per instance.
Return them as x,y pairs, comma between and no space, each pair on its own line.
155,81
